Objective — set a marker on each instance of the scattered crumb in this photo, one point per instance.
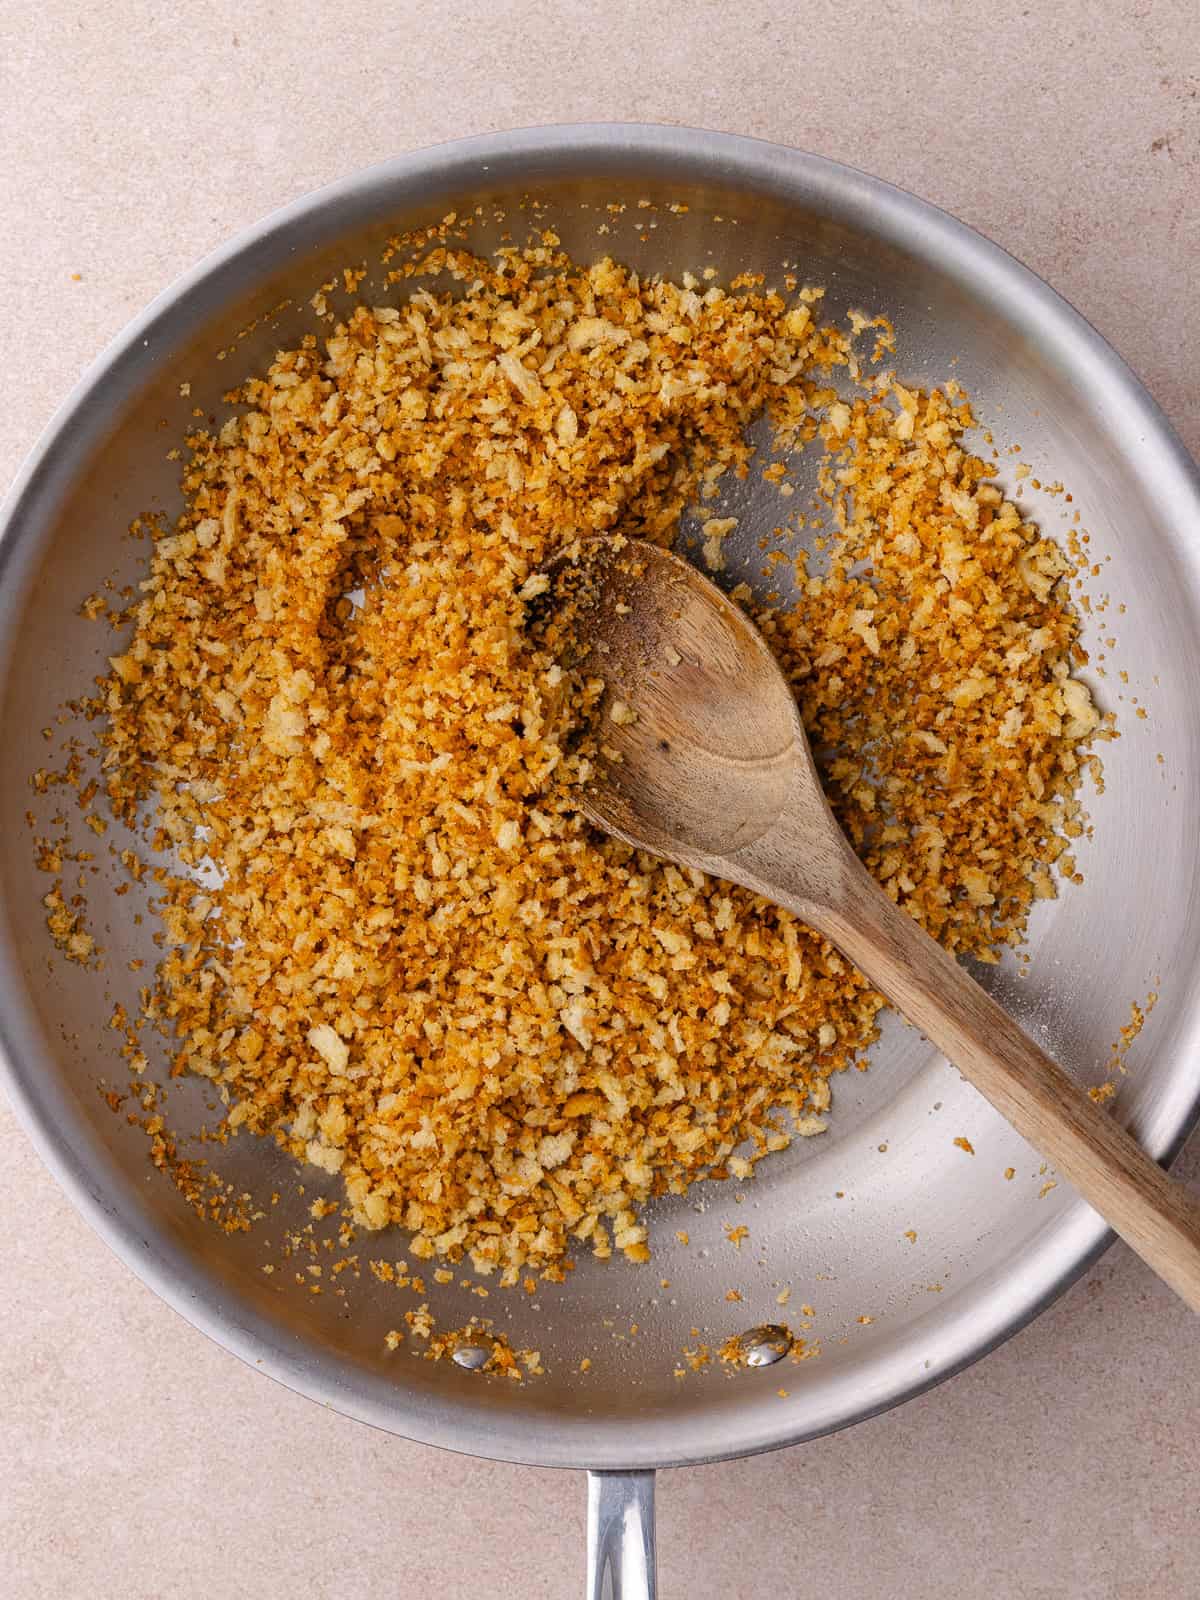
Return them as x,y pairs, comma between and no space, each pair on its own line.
1121,1045
502,1359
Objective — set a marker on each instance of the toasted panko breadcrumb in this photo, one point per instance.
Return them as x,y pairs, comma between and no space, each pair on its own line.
414,964
934,659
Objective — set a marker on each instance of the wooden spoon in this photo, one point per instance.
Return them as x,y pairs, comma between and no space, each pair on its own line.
708,765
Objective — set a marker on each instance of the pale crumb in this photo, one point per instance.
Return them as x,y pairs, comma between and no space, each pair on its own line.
326,1042
715,530
838,417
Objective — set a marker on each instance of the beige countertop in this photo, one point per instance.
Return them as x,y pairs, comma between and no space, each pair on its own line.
137,1459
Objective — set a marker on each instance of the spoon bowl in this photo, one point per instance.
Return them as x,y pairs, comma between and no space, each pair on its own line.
690,687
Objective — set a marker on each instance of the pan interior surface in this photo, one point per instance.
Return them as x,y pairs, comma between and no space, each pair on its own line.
829,1221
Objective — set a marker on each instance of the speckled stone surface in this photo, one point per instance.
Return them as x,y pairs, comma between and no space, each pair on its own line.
134,137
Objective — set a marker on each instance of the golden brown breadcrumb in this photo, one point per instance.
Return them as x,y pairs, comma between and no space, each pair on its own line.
395,945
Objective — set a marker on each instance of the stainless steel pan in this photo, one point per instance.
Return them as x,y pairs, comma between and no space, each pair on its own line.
827,1218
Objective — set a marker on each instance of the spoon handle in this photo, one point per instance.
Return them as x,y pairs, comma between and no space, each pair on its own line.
1155,1215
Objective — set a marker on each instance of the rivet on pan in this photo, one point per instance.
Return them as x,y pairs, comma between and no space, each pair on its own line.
471,1356
765,1345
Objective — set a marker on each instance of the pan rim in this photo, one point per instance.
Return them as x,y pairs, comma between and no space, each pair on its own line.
995,1310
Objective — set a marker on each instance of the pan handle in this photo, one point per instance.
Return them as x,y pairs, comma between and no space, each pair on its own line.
620,1536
